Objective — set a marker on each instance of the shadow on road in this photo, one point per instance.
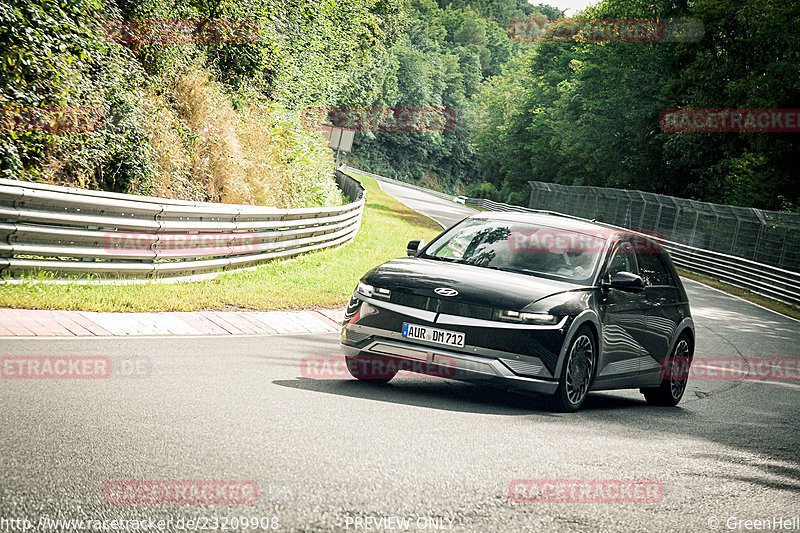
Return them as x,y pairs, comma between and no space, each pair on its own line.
453,396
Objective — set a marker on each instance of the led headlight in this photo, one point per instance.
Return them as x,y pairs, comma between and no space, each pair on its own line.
369,291
527,318
365,290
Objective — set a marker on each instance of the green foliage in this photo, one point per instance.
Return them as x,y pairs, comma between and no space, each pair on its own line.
56,55
485,190
572,113
588,113
447,52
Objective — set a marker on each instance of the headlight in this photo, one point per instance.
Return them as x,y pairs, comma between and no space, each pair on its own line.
369,291
364,289
526,318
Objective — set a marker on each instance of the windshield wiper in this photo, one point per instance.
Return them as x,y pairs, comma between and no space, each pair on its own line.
515,270
440,258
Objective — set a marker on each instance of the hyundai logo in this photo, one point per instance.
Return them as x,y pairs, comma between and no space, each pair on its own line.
445,291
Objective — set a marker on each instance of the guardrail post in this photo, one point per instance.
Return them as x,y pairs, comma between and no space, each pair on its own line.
658,216
694,228
713,229
536,193
783,248
644,208
735,233
616,210
763,223
678,211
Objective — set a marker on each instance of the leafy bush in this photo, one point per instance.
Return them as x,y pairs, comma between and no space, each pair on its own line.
201,120
588,113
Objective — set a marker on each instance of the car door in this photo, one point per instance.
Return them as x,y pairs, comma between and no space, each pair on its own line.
664,308
624,322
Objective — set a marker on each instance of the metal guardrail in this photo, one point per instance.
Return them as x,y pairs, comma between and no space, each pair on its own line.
766,237
69,231
494,206
766,280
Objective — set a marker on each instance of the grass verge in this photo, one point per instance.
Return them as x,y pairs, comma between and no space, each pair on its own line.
318,279
763,301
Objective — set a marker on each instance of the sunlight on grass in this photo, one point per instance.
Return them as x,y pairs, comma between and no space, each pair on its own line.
317,279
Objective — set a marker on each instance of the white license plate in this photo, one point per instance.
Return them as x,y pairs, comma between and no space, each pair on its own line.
439,336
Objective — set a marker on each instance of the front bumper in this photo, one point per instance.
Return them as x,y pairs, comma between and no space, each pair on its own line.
482,365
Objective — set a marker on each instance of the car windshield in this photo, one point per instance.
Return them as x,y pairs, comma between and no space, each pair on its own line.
519,247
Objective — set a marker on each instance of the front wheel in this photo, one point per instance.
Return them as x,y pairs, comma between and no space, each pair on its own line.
675,372
372,368
577,373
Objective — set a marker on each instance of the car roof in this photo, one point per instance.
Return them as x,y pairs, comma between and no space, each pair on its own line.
553,221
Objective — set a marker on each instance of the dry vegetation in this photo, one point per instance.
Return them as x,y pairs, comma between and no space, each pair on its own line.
200,146
258,154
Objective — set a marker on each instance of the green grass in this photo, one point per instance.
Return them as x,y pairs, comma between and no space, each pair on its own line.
317,279
769,303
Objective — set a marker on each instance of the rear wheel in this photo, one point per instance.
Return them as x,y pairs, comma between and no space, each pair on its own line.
372,368
577,373
675,372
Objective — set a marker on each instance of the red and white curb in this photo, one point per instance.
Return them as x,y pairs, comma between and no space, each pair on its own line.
40,323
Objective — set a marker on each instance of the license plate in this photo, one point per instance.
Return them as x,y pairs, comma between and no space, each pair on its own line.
439,336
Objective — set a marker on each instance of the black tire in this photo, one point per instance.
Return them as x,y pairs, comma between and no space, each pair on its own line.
675,374
372,368
577,372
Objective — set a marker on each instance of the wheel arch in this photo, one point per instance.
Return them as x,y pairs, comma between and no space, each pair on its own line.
686,326
586,318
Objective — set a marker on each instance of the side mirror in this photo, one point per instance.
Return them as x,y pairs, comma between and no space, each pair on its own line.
626,281
413,247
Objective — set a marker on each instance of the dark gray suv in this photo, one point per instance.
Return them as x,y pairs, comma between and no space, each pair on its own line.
531,302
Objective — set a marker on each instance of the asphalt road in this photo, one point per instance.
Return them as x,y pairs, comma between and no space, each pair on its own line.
444,212
333,454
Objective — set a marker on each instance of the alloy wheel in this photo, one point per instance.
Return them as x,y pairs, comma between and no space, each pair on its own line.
579,369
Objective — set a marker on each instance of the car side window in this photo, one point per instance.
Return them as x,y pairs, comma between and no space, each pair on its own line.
623,259
652,269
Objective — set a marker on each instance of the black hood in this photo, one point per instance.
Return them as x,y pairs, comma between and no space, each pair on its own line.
475,285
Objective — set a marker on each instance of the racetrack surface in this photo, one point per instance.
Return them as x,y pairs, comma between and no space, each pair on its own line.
326,452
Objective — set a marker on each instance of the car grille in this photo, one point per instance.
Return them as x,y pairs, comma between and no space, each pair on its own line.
439,305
